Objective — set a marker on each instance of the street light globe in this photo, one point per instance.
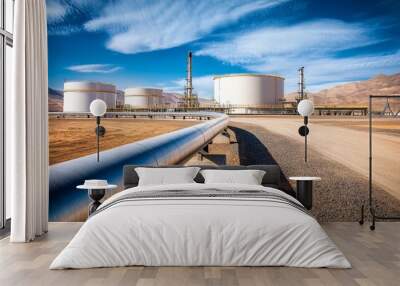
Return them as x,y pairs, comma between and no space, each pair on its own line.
98,107
305,107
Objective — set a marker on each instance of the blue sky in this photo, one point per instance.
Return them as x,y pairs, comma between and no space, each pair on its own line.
144,43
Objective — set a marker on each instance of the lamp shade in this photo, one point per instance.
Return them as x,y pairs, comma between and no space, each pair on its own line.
305,107
98,107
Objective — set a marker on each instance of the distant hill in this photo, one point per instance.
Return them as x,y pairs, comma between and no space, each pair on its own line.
206,101
56,99
174,99
355,93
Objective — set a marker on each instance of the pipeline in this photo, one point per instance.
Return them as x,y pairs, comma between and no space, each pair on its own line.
166,149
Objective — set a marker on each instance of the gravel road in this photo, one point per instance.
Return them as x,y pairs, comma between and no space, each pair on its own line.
340,194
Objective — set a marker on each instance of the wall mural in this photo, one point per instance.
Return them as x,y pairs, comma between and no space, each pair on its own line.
252,59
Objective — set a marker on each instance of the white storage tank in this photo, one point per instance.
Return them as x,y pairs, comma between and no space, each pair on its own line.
120,99
79,94
143,97
248,90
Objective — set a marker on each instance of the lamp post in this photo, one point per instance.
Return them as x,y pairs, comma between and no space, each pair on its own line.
305,108
98,108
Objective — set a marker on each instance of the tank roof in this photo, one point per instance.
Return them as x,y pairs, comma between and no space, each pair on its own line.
247,74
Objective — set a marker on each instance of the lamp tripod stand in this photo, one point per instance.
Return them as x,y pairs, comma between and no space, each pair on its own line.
371,206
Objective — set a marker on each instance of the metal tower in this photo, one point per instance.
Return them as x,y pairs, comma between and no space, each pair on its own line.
190,98
302,94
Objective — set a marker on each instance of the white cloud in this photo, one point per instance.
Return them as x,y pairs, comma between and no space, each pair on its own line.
56,10
62,15
329,71
204,86
94,68
314,38
62,30
154,25
315,45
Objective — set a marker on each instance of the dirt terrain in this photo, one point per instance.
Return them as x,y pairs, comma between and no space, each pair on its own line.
346,142
73,138
390,126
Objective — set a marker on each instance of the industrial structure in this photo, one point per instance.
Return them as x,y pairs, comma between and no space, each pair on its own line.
302,87
233,94
79,94
120,99
244,91
190,98
140,97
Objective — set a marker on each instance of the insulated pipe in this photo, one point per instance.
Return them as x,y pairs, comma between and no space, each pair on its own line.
166,149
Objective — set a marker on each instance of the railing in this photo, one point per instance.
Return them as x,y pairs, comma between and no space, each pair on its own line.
165,149
138,114
266,109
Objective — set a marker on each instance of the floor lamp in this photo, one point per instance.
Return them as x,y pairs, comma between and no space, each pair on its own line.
305,108
371,206
98,108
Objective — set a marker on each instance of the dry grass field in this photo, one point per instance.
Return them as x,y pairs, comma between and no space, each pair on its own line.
74,138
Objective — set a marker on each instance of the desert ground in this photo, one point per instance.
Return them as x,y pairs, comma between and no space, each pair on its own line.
74,138
344,188
390,126
346,141
338,153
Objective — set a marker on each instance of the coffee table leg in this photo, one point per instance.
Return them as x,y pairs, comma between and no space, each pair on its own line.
95,196
304,193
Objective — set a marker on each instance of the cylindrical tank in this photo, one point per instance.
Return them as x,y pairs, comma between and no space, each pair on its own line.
120,98
143,97
159,99
248,89
79,94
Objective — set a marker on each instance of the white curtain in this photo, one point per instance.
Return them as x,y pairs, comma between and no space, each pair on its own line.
27,123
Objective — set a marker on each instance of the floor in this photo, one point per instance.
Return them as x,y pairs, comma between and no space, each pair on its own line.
375,256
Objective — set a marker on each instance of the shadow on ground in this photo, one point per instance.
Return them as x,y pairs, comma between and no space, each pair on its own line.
253,152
